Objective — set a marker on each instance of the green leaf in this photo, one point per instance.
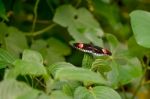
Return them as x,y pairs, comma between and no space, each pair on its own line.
102,65
52,50
140,22
32,56
137,50
98,92
13,45
79,74
125,72
78,37
5,58
58,94
69,13
87,61
92,36
3,11
130,71
80,23
113,75
69,87
56,66
12,89
85,93
112,41
34,94
26,68
58,47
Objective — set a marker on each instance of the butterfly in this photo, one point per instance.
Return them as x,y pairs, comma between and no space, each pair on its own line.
92,49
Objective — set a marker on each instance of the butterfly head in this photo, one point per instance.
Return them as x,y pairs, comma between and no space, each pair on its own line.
106,52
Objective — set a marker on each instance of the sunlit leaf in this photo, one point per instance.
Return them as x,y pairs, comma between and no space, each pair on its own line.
137,50
69,87
98,92
58,94
5,58
101,65
26,68
32,56
79,22
58,47
87,61
113,42
15,46
12,89
79,74
140,22
54,67
125,72
52,50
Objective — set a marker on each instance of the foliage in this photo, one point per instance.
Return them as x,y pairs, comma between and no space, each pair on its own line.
37,60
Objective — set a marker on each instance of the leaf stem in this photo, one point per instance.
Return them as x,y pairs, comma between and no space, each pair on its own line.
78,3
41,31
124,92
140,83
35,15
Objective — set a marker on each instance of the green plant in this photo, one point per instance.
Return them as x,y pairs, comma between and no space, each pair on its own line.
37,62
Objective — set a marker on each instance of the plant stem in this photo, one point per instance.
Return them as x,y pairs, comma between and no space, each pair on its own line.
124,93
41,31
35,15
140,84
78,3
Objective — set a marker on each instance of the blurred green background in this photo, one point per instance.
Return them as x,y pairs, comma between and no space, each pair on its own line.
48,26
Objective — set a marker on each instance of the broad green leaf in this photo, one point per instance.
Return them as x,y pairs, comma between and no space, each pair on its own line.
69,87
39,44
78,37
58,47
26,68
5,58
51,50
79,22
69,13
3,11
85,93
98,92
125,72
113,75
56,66
34,94
87,61
125,67
112,41
79,74
140,22
130,71
12,89
13,45
32,56
92,36
58,95
3,64
101,65
52,85
137,50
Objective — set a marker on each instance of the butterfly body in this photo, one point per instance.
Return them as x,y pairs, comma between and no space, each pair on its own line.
89,48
